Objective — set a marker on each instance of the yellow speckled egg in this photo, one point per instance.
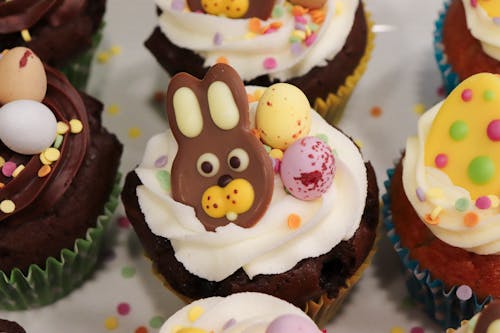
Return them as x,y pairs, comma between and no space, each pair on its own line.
283,115
22,76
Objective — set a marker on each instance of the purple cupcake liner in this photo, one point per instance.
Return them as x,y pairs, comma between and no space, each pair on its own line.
448,307
450,78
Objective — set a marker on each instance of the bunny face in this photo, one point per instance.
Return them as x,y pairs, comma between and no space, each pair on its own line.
234,8
221,169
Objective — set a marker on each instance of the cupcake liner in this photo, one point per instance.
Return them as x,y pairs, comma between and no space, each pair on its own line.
78,70
42,286
449,77
332,107
441,303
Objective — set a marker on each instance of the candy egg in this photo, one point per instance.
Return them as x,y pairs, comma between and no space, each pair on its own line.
283,115
27,127
22,76
290,323
307,168
311,4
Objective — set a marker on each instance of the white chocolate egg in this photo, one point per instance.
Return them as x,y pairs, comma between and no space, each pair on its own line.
22,76
283,115
27,127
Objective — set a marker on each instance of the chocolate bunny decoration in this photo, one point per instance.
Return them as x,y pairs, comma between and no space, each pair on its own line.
221,168
234,8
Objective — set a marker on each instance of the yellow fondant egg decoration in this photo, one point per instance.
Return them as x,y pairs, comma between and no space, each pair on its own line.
492,7
229,8
283,115
22,76
464,139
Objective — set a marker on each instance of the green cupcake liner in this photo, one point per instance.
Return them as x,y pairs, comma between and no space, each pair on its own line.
42,286
78,70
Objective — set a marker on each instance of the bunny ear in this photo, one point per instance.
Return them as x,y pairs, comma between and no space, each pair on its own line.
223,109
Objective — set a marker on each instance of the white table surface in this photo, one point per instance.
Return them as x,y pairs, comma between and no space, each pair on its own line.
402,76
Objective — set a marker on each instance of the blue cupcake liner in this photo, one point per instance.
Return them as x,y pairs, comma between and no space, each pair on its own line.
441,304
450,78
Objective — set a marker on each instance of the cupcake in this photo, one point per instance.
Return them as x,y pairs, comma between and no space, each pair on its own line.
10,327
58,182
467,40
64,34
442,205
320,46
263,196
487,321
243,312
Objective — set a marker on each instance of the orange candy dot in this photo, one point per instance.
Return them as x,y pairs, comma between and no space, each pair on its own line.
141,329
254,25
376,111
294,221
44,171
222,60
471,219
428,219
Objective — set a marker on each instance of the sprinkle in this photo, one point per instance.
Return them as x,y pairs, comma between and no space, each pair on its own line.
111,323
58,141
113,109
299,35
419,108
194,313
310,40
231,216
222,60
276,25
123,309
250,35
300,19
358,143
156,322
296,49
270,63
473,3
141,329
429,220
218,39
294,221
298,11
420,194
8,168
2,185
376,111
2,161
467,95
44,160
123,222
462,204
228,324
128,272
417,329
254,25
276,153
18,170
163,177
339,8
397,330
464,293
318,15
496,20
471,219
44,171
177,5
62,128
276,165
435,212
51,154
435,193
161,161
495,201
76,126
134,132
7,206
440,91
267,148
322,137
278,11
483,202
103,57
26,35
115,50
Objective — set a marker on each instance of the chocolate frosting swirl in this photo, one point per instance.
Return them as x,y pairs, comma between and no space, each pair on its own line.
27,189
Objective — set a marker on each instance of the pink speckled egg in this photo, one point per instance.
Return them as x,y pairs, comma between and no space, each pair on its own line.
308,168
292,324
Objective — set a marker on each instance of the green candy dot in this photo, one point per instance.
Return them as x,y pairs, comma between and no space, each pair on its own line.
278,11
489,95
462,204
267,148
128,272
163,178
481,170
322,137
156,322
459,130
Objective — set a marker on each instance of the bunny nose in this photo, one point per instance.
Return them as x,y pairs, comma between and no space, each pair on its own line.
224,180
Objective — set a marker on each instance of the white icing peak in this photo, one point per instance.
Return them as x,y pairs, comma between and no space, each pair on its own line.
290,47
483,27
271,246
240,313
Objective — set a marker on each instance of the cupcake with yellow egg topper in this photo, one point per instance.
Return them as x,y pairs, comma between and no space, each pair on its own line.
63,33
442,203
249,312
486,321
467,40
320,46
53,214
251,190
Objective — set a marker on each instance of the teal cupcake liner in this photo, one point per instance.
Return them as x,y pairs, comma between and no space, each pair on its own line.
449,77
442,304
45,285
78,70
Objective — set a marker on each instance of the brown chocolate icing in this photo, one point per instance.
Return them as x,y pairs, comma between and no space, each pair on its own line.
60,29
188,185
487,317
66,104
256,8
10,327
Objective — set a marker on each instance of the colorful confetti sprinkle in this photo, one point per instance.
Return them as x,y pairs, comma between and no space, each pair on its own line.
128,272
75,126
111,323
270,63
156,322
134,132
294,221
419,109
123,222
7,206
113,109
123,309
376,111
464,292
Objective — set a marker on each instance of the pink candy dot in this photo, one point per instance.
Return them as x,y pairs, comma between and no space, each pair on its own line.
270,63
493,130
441,160
8,168
123,309
483,202
473,3
467,95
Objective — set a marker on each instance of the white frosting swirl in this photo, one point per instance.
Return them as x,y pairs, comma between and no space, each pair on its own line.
484,238
270,247
238,313
246,52
484,28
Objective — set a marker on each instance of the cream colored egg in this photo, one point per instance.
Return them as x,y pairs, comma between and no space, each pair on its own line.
283,115
22,76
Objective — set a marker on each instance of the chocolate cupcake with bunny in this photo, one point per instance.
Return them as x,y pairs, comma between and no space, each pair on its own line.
251,190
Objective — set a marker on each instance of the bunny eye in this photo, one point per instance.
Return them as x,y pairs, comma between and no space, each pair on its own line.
238,160
208,165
